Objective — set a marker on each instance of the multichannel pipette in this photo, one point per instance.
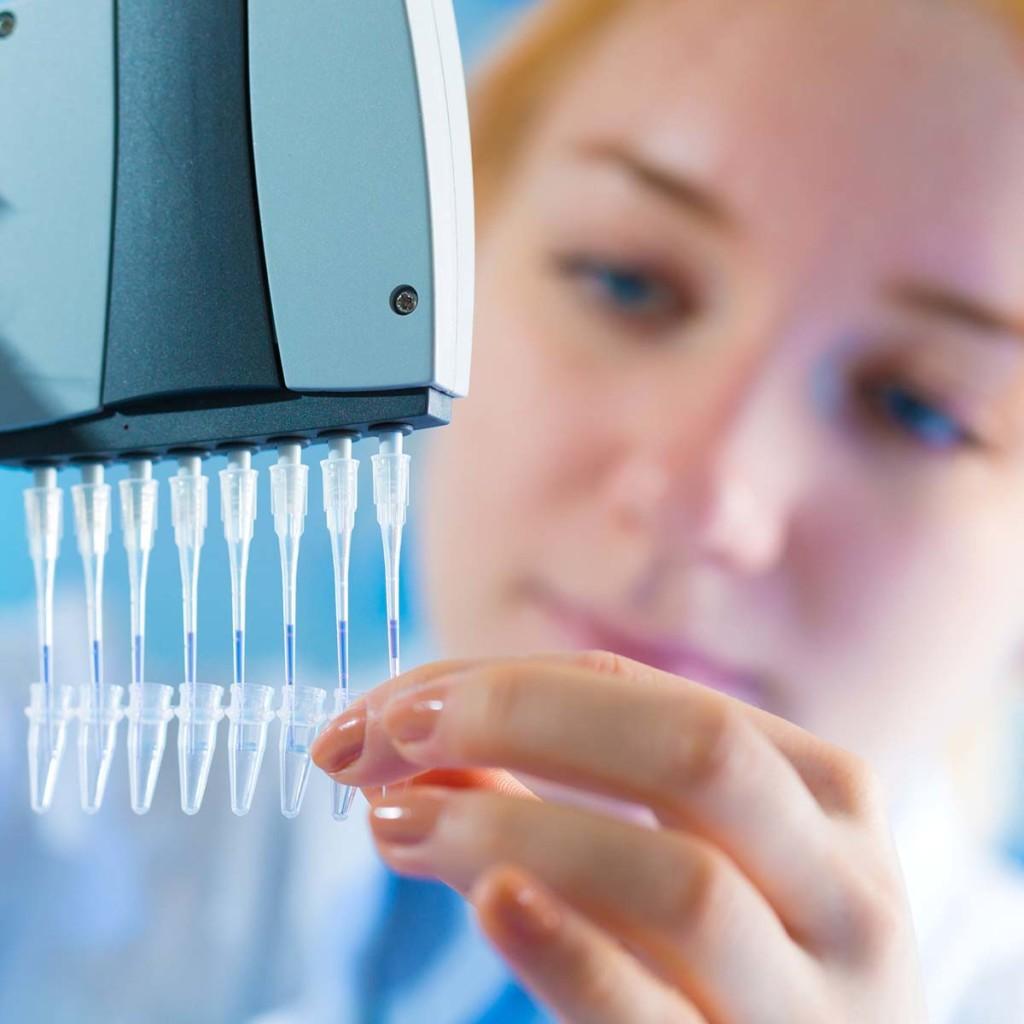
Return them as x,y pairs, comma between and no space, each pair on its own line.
301,711
268,330
249,711
199,704
149,704
49,707
341,497
99,704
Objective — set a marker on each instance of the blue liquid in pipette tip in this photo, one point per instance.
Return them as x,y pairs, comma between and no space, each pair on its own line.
137,647
239,665
47,665
393,646
289,654
97,662
190,657
343,675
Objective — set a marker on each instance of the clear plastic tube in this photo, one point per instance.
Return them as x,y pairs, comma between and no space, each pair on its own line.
99,705
341,482
249,712
391,497
48,710
301,707
149,709
199,706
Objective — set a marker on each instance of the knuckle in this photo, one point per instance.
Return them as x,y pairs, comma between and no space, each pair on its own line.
701,891
702,753
602,662
494,700
853,787
875,922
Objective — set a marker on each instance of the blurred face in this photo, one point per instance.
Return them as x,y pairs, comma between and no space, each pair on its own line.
749,365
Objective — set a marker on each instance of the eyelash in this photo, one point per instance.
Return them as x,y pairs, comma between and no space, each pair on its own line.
916,417
607,278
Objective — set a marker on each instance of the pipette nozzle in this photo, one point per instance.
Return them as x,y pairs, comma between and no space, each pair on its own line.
91,500
289,491
189,502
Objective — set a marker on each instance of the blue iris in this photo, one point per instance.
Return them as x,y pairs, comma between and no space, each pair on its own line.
626,288
923,421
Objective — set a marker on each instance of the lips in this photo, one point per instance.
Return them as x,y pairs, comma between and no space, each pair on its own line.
584,629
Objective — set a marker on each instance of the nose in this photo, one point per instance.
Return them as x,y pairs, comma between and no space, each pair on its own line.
719,484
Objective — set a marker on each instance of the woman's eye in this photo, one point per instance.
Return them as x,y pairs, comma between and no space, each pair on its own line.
628,291
919,418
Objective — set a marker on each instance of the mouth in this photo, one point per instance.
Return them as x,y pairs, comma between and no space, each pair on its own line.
583,629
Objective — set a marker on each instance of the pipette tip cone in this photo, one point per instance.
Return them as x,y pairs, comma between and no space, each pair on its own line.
197,740
250,716
46,744
148,715
341,801
301,716
97,740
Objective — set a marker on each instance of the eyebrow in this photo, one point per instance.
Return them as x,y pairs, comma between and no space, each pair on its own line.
672,184
937,301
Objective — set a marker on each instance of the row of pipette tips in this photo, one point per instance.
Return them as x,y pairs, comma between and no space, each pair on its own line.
98,707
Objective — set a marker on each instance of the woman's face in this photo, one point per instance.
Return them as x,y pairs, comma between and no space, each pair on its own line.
747,399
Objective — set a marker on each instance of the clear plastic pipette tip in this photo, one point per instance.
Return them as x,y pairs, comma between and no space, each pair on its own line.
249,712
99,705
391,497
341,497
301,708
149,708
199,706
49,709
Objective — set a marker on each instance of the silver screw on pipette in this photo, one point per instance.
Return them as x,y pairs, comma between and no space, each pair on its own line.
341,497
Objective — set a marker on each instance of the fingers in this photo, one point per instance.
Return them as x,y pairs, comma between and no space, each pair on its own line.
694,757
696,919
566,961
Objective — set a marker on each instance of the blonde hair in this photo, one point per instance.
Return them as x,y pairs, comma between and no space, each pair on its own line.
517,81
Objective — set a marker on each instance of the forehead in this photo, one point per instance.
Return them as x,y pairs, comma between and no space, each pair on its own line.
893,126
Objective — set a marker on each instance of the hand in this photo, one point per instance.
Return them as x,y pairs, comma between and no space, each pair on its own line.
768,892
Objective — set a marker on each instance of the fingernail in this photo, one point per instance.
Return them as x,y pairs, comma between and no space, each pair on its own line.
406,820
413,718
341,743
530,913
